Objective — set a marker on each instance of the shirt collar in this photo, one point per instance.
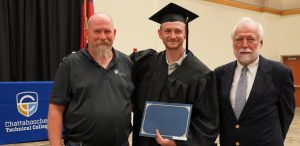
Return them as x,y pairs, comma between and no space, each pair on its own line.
113,61
179,61
252,68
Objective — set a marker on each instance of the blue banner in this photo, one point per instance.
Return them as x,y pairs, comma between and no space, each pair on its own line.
23,111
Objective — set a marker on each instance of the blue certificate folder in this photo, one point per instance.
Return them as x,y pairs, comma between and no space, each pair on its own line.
171,119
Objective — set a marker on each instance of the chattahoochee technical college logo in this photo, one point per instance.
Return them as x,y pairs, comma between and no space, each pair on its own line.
27,103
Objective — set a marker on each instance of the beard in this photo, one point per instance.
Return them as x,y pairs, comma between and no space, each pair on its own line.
247,58
102,49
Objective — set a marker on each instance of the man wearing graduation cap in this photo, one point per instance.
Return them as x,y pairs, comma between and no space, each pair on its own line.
176,76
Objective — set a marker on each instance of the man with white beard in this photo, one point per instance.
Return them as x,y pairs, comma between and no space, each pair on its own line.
91,96
256,94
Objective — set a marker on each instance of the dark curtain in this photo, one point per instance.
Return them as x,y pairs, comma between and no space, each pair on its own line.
35,35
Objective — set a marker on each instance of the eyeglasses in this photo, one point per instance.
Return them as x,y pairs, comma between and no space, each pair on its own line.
249,40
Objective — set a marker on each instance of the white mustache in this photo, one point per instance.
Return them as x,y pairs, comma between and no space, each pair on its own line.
245,50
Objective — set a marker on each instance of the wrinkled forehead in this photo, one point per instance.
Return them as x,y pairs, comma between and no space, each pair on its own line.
100,20
246,30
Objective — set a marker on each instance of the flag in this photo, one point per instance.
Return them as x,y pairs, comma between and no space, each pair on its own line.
87,10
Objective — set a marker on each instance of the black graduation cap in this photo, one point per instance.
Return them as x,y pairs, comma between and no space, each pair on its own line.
173,12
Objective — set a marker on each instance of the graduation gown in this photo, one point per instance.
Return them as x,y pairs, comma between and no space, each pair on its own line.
192,83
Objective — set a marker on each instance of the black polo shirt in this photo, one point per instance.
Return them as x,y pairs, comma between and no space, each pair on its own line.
97,101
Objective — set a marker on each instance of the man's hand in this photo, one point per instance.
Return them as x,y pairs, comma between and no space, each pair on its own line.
163,142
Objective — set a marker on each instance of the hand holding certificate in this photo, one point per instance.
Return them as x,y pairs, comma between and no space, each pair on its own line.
171,119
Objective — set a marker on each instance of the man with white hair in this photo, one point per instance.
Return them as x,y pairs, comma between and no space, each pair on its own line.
256,94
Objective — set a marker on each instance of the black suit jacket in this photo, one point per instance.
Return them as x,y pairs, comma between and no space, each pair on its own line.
268,112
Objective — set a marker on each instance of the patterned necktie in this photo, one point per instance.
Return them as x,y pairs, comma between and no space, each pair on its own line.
241,90
172,68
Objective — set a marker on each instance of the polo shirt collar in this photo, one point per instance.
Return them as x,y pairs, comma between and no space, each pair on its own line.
113,61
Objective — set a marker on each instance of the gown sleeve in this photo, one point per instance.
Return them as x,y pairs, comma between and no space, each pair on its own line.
140,61
204,126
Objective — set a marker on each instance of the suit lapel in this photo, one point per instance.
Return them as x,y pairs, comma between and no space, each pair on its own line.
261,82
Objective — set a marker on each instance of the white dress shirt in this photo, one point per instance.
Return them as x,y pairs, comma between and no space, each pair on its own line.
252,70
172,67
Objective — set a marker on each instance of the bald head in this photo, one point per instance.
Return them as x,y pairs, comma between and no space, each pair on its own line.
99,17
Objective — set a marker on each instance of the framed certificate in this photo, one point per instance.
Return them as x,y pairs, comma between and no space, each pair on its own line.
171,119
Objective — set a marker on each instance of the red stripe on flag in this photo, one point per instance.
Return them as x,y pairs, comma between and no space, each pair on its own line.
87,10
90,8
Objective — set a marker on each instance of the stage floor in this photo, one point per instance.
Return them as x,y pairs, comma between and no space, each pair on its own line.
292,138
